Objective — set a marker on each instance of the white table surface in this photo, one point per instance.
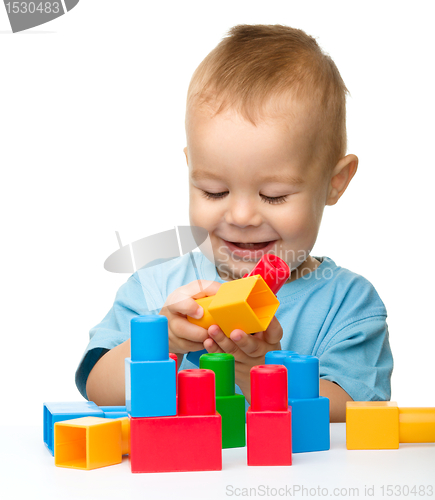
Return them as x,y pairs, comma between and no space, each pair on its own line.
28,472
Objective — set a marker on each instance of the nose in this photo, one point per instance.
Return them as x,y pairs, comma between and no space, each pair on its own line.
242,212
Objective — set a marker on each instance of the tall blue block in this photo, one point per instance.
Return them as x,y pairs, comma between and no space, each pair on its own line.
310,424
302,376
310,412
58,412
150,372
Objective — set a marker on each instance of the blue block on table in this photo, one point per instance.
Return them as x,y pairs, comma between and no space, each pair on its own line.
114,411
310,424
58,412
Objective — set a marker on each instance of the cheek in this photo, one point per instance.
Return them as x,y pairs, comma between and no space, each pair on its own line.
193,210
202,212
317,208
301,219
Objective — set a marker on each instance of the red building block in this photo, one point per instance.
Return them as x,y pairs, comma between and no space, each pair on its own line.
269,417
174,357
189,441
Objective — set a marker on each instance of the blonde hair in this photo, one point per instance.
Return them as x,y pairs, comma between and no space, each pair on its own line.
255,63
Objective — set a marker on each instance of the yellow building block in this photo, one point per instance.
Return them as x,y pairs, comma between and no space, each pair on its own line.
372,425
417,425
247,303
90,442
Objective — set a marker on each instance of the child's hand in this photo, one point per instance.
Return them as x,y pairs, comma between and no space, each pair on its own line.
248,350
183,335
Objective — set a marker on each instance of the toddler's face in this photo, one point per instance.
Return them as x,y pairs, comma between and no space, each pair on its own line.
255,189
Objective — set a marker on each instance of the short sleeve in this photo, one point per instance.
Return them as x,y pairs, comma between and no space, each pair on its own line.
358,358
113,330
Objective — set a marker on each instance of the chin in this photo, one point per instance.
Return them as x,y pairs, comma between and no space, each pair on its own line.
234,272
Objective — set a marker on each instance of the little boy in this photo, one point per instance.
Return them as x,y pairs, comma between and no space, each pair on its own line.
266,152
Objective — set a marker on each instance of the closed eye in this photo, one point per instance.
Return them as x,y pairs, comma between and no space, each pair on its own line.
267,199
274,200
213,196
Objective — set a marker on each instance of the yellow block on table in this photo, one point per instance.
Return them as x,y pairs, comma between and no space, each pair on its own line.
90,442
417,425
372,425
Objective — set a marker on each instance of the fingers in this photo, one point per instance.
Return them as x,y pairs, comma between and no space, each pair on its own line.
211,346
186,330
181,301
183,335
249,344
273,333
183,346
206,288
240,344
223,342
257,345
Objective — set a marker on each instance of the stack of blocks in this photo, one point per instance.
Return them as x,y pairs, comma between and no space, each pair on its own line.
269,418
82,435
164,438
150,374
229,405
310,412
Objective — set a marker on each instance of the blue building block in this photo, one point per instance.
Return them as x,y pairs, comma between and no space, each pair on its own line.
150,388
57,412
310,412
277,357
114,411
310,424
302,376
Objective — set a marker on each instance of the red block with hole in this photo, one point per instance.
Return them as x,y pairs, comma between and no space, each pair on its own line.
189,441
268,419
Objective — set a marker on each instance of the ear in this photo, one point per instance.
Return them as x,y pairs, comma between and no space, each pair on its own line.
185,152
341,176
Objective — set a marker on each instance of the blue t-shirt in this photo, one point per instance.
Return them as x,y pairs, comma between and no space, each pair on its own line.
331,313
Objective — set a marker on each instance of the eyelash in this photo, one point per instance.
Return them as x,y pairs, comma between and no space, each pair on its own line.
267,199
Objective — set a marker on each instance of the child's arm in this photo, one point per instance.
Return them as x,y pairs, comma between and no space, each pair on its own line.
106,382
337,400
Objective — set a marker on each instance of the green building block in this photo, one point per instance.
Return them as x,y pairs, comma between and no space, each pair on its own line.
232,411
229,405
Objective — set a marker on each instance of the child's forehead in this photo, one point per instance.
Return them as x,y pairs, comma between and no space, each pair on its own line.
273,174
282,111
291,125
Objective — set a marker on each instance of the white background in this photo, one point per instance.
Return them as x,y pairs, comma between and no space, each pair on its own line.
91,137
